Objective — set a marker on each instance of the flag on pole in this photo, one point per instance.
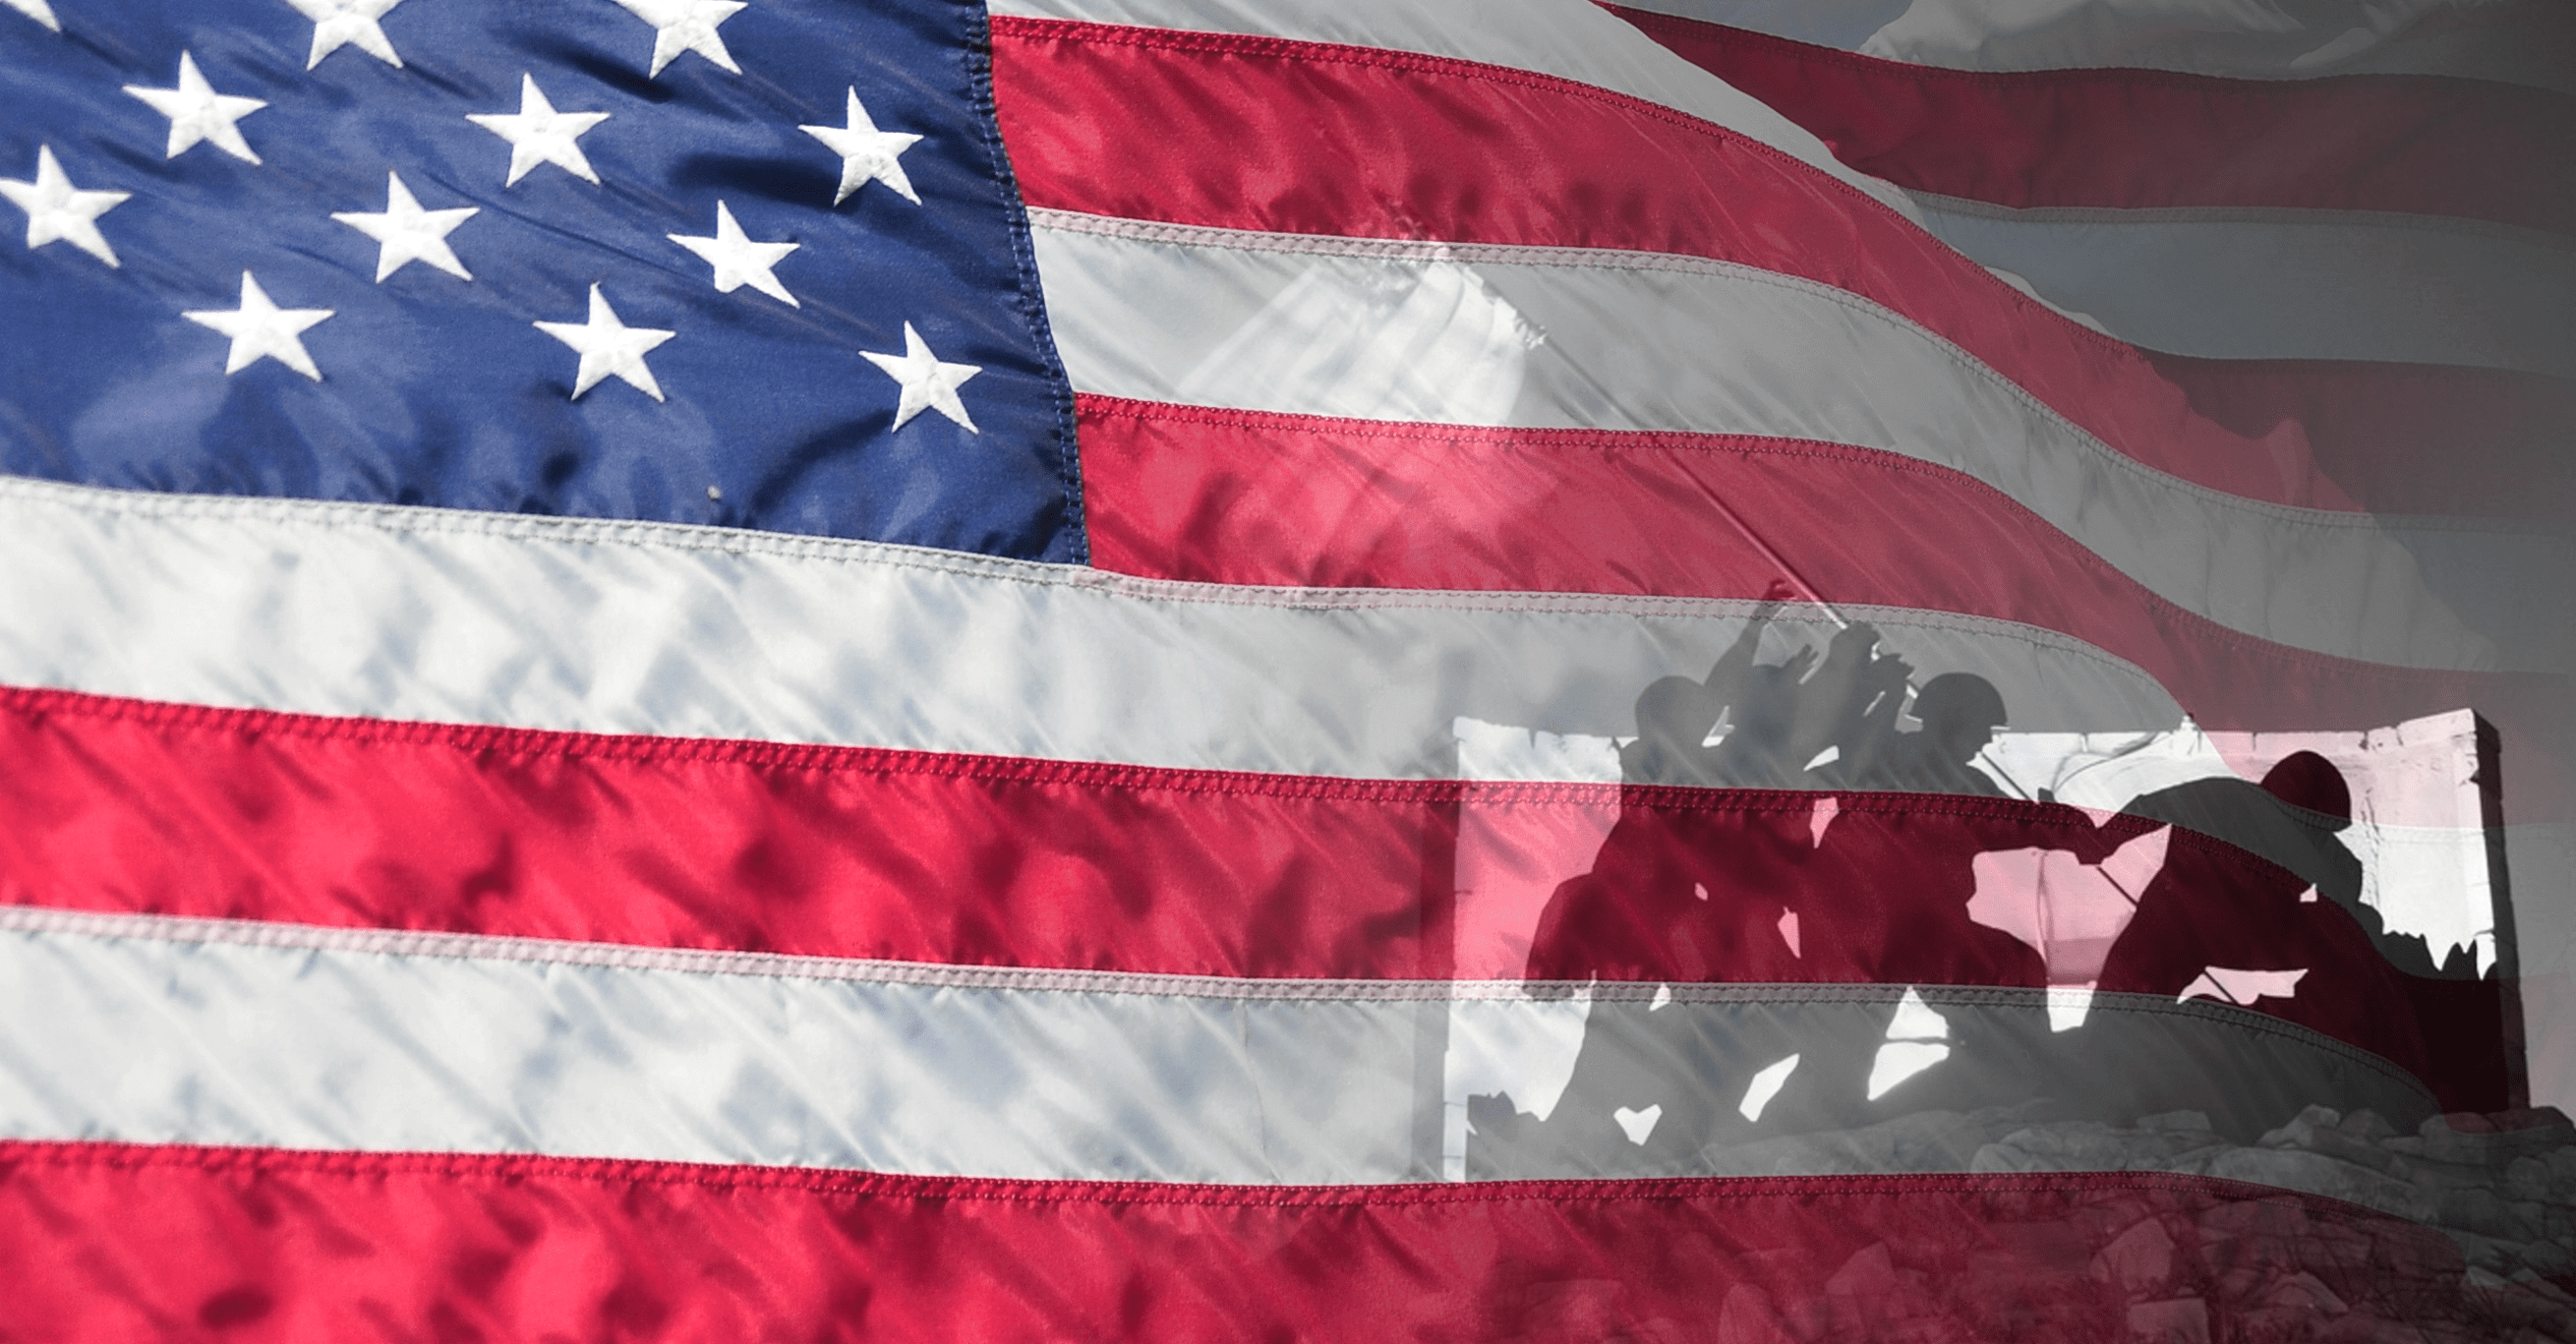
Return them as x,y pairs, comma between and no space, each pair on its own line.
1167,669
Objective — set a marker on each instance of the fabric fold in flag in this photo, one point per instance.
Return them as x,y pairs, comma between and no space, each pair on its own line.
1448,669
2131,140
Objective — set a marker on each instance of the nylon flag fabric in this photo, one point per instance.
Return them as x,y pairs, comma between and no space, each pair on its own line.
1180,669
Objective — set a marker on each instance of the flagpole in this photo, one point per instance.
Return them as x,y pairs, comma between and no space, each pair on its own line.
1797,582
1807,591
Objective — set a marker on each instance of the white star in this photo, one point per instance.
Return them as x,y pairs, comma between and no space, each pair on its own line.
342,23
928,385
866,152
57,210
197,112
539,134
406,233
608,346
738,260
686,25
38,10
262,330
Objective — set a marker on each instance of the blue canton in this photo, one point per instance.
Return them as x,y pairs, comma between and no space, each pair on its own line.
751,263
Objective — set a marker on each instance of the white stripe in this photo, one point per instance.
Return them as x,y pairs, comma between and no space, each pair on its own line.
449,616
702,961
1564,38
1653,341
2254,284
182,1039
2529,42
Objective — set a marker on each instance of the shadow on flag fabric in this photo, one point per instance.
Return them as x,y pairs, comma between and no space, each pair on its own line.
1169,669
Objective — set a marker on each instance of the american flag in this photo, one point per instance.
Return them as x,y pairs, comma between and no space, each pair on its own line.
1173,669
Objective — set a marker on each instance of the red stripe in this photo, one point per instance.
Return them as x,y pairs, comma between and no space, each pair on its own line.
1681,896
118,805
2144,139
125,805
119,1242
129,806
2394,438
1192,493
1252,497
1369,143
